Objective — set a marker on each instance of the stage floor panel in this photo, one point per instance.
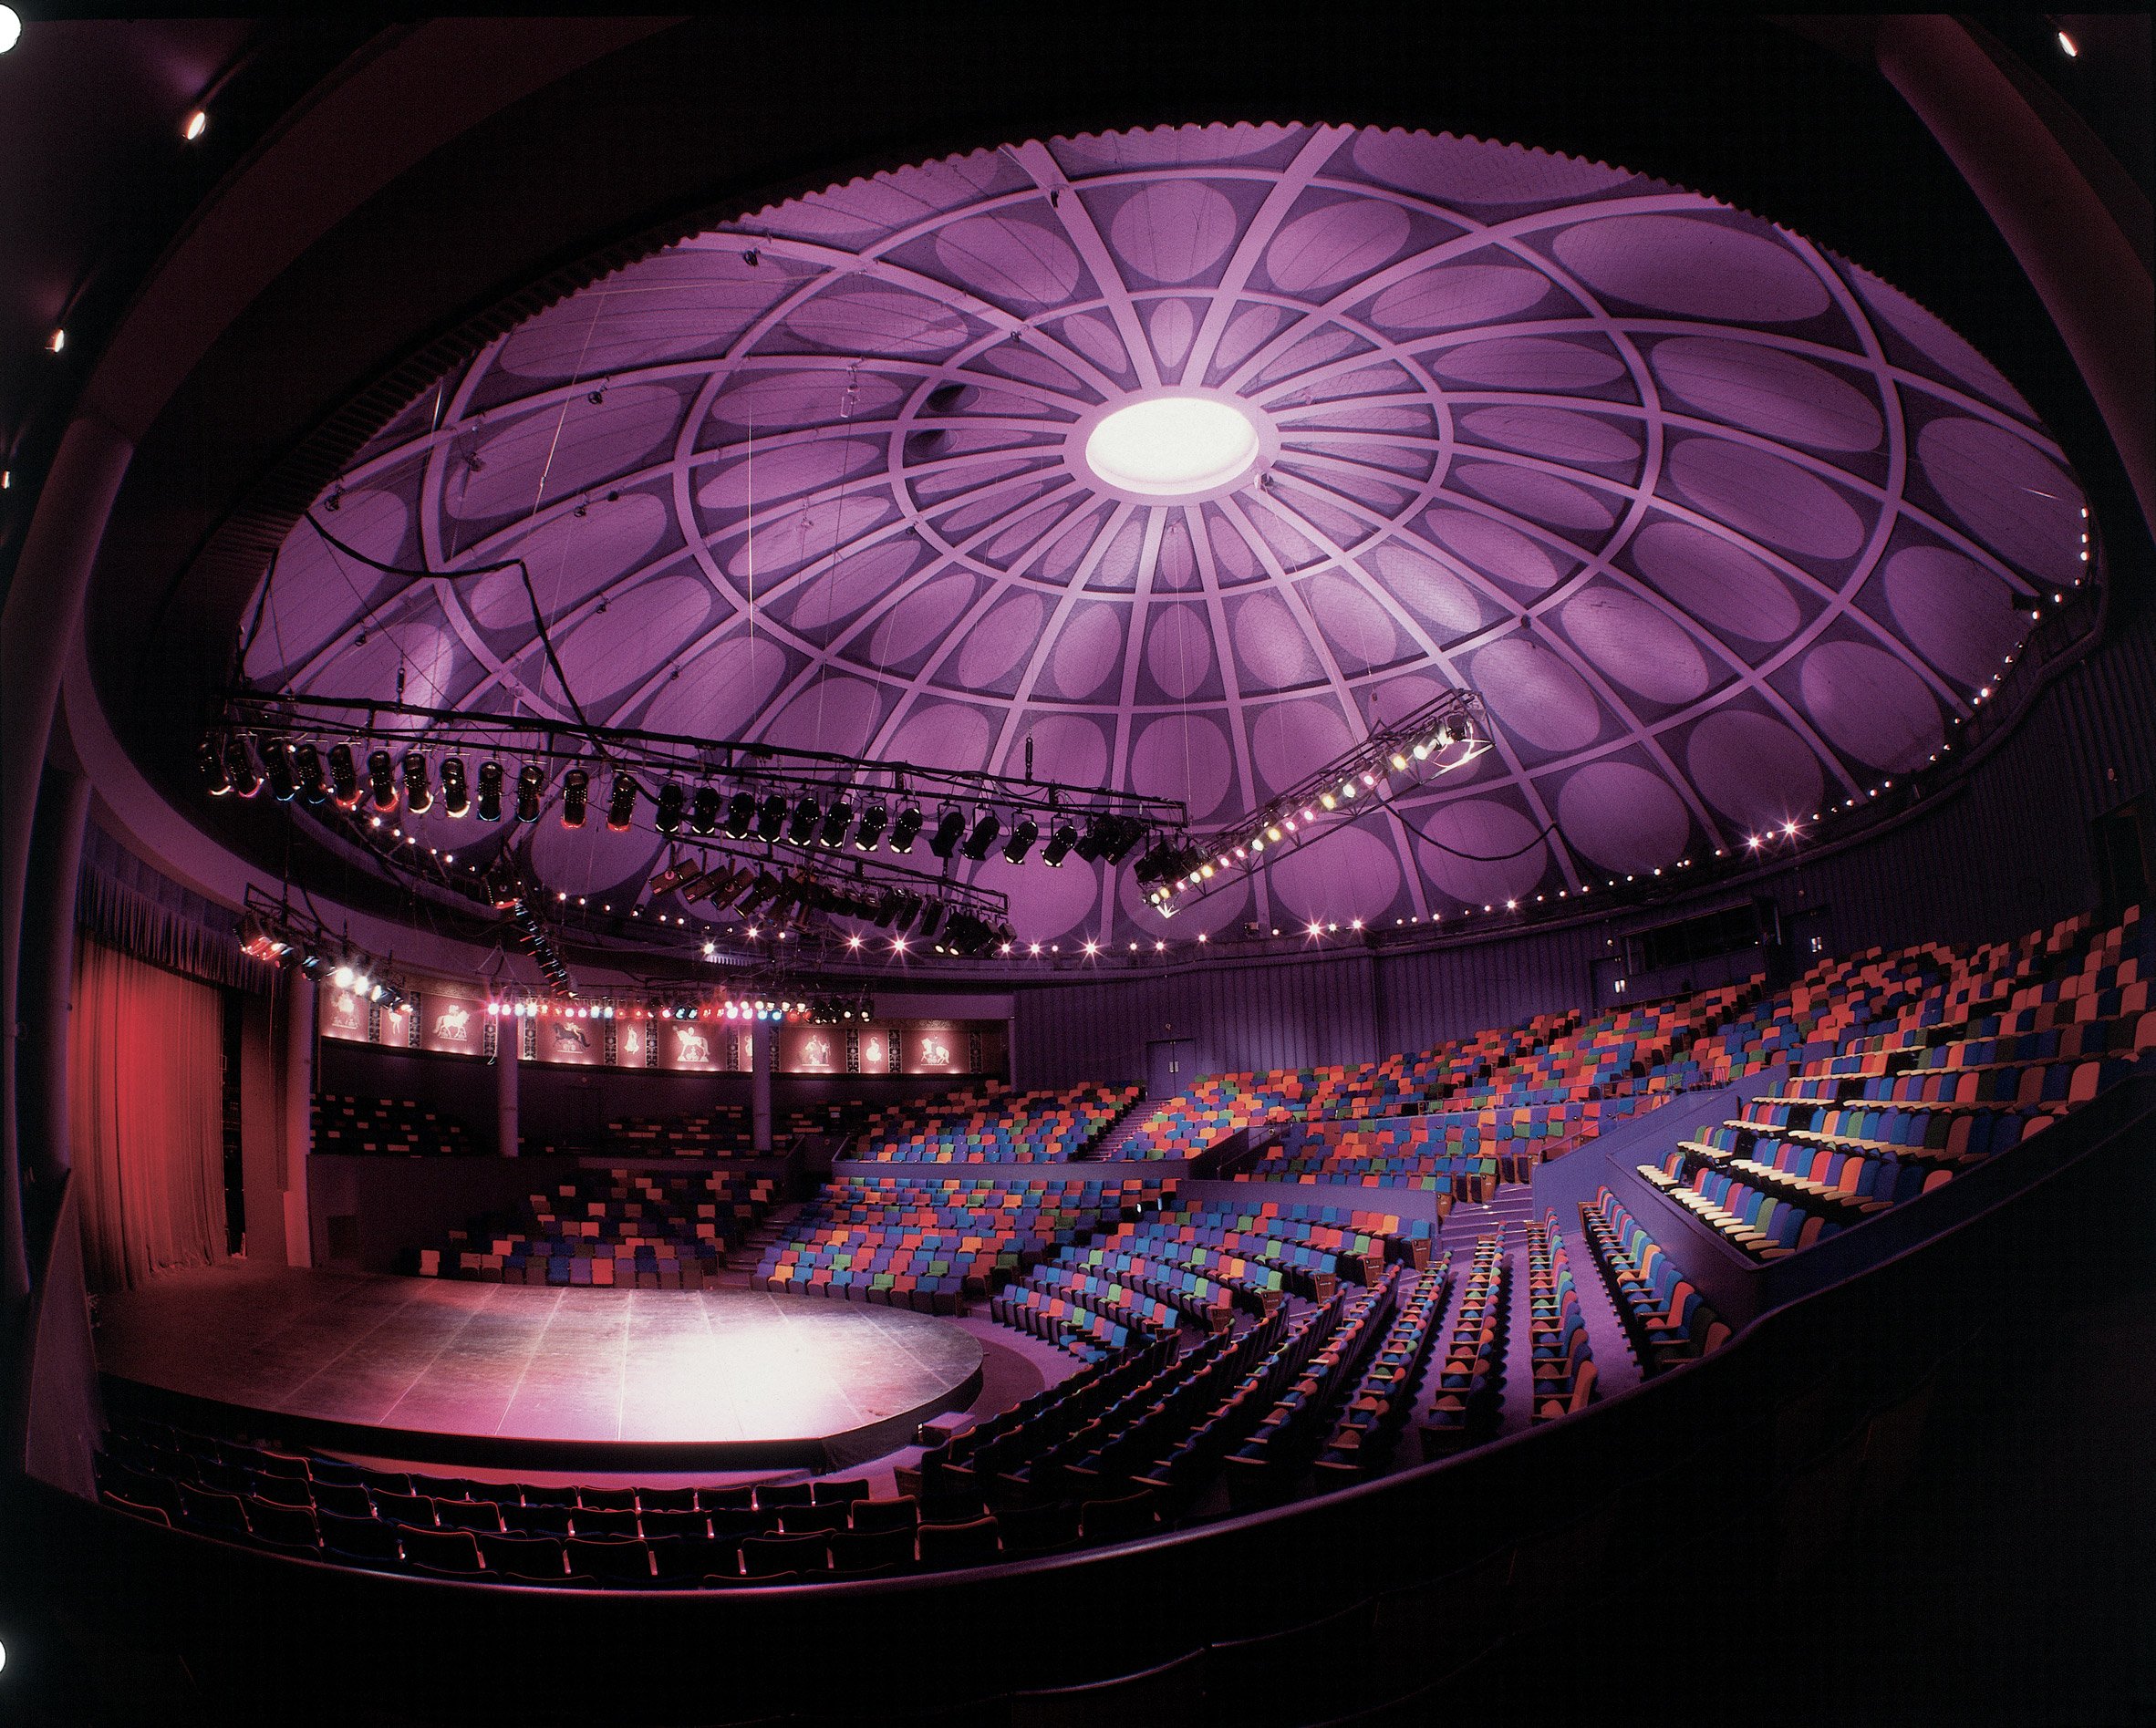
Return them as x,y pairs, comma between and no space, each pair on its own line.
735,1372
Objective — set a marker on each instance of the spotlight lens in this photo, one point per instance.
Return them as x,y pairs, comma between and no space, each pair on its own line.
1172,446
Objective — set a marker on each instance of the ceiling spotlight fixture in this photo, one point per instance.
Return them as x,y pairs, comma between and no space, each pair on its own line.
456,791
490,789
1023,833
381,780
216,779
770,820
803,830
194,126
671,800
283,777
575,797
704,811
837,821
621,807
531,780
314,784
874,819
419,796
948,831
740,815
1059,845
905,829
983,836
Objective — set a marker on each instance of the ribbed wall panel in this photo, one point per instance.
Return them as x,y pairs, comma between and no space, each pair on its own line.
2007,852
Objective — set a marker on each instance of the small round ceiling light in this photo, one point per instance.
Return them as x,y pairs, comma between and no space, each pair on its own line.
1173,446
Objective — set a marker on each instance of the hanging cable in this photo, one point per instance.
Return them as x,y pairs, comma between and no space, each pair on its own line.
531,596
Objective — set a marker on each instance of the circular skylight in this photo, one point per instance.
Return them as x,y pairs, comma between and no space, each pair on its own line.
1173,446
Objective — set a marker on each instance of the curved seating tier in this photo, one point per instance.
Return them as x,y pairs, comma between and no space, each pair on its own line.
1561,1357
1664,1317
634,1229
1471,1375
997,1126
389,1127
930,1243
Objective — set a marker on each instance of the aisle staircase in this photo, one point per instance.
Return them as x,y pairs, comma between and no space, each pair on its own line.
1512,1211
738,1272
1128,1133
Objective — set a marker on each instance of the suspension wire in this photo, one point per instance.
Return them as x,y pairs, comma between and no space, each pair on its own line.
523,573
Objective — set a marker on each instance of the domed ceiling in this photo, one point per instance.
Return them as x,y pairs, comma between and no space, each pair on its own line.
1723,528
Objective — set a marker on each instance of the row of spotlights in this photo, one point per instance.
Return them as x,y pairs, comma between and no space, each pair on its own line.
229,768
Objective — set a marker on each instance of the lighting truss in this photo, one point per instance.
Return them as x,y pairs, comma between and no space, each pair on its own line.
406,733
1442,737
777,888
280,935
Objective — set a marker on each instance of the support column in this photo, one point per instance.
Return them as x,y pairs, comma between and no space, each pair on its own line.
48,972
2082,266
263,1174
299,1117
509,1036
764,1038
37,622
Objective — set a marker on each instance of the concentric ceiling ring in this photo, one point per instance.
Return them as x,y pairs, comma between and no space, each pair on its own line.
1723,528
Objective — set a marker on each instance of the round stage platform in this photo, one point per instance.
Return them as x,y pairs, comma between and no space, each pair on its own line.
432,1368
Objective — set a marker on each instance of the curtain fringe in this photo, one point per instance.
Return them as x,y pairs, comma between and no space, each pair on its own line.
123,919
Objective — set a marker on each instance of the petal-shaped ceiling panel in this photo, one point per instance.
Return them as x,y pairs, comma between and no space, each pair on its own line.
1718,524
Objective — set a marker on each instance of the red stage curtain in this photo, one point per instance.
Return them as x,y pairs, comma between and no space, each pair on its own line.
144,1108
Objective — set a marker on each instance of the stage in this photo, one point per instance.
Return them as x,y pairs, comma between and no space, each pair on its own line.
507,1373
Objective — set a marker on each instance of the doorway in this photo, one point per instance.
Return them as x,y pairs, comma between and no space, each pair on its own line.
1168,1066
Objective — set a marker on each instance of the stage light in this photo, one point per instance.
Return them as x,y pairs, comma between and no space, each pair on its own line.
490,792
803,830
740,815
2069,46
983,836
575,797
905,829
314,784
837,821
671,799
418,797
874,819
1023,833
1060,844
381,780
531,779
209,759
456,791
11,29
621,806
283,777
770,820
704,811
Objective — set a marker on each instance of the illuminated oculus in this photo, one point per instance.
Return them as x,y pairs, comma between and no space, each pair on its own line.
1173,446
